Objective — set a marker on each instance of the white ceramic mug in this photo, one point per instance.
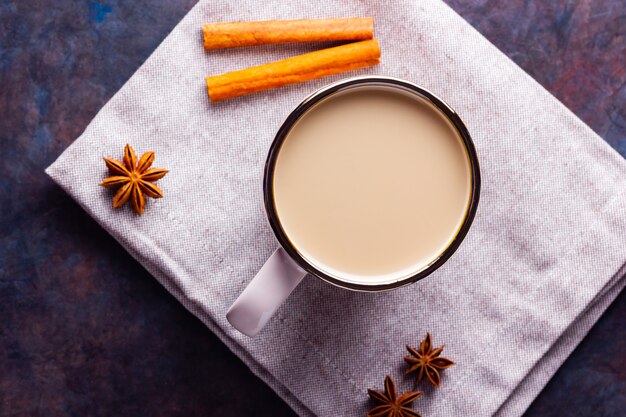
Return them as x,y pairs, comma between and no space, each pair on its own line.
286,267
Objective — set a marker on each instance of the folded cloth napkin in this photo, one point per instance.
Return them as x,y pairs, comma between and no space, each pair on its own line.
542,261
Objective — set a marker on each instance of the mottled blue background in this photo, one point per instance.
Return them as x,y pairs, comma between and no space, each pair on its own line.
85,331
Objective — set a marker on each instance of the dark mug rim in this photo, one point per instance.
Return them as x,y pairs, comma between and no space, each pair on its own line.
306,104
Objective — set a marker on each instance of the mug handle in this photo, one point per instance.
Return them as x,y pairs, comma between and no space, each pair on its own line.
271,286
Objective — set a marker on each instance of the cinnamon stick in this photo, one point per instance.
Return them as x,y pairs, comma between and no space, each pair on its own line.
293,70
235,34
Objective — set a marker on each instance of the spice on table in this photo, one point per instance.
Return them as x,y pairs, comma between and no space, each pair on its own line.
135,178
392,405
427,362
297,69
236,34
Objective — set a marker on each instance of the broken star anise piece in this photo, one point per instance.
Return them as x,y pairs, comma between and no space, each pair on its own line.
427,362
392,405
135,178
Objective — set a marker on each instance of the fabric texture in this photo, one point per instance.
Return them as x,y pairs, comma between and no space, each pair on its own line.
541,262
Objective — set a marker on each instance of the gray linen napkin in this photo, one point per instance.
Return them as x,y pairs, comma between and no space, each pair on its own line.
540,264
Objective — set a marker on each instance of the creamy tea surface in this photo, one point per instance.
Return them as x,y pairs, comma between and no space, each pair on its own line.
372,184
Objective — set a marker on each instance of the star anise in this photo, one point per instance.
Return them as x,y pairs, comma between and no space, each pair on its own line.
135,178
427,362
391,404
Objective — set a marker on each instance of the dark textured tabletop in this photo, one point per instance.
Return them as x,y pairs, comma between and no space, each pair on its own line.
85,331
